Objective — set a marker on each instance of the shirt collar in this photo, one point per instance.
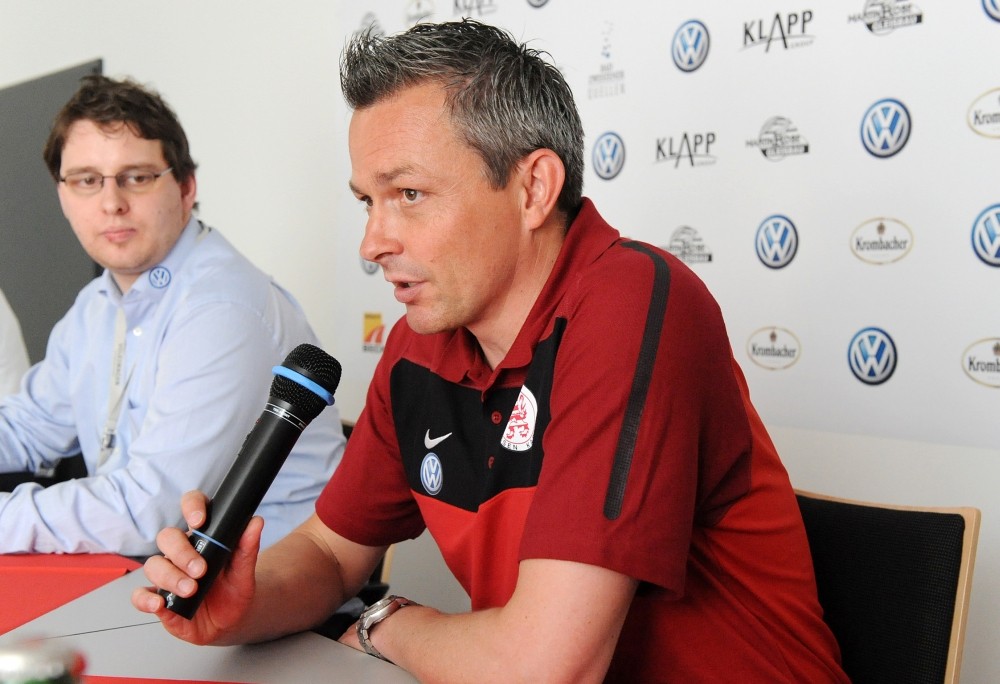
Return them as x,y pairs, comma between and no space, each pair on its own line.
171,265
459,356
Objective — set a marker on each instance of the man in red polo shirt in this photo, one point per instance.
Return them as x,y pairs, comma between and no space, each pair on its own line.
560,407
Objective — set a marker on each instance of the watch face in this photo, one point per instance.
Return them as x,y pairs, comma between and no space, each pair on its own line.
378,610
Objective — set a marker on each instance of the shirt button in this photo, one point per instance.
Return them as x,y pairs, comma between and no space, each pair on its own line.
496,417
137,332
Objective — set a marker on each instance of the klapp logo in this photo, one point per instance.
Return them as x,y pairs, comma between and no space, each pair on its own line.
872,356
431,475
609,155
789,31
690,45
986,235
693,148
992,9
776,241
885,128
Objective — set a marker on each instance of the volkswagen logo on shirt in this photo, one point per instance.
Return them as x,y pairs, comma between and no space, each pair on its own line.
431,476
872,356
159,277
986,235
885,128
777,241
690,45
609,155
992,9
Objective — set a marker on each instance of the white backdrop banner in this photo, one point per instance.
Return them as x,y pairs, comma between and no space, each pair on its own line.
833,174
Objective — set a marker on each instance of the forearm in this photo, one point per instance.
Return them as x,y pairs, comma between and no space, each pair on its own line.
291,595
545,632
104,514
483,646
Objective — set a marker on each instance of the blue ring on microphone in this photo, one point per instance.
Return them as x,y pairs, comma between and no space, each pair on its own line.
315,388
217,543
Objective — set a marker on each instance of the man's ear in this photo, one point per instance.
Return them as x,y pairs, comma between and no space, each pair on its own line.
189,193
542,174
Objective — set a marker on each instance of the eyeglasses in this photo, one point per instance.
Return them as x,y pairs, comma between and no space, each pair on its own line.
90,183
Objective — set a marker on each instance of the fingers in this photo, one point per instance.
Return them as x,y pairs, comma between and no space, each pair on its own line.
194,505
250,539
243,562
164,574
147,600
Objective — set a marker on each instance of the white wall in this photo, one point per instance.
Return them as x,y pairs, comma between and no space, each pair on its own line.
256,90
255,86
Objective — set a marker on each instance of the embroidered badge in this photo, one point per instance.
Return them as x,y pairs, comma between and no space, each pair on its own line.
159,277
520,430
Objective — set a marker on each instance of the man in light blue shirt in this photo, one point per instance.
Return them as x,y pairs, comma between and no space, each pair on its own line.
160,368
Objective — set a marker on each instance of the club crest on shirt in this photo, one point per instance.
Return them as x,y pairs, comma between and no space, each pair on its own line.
520,430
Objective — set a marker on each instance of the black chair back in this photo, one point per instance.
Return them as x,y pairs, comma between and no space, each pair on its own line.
889,580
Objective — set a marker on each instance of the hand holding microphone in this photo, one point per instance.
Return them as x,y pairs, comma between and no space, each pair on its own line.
303,386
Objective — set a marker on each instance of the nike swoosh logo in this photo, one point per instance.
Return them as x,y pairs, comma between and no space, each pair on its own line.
431,443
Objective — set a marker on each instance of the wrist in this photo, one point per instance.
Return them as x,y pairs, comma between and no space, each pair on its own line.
373,615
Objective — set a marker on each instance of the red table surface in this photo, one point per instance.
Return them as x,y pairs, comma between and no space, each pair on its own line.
33,584
97,679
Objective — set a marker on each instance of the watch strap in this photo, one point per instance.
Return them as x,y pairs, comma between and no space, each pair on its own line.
374,614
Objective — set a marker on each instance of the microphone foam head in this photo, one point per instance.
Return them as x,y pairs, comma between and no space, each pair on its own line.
313,365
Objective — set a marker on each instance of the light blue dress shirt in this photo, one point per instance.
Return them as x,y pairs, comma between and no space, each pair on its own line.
203,330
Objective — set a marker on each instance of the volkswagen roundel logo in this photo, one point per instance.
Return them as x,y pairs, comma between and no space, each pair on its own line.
992,9
159,277
431,476
690,45
537,3
609,155
885,128
369,267
872,356
986,235
777,241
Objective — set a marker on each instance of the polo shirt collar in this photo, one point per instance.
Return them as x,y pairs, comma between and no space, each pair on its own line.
460,359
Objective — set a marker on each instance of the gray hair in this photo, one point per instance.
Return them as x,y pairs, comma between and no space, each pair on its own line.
506,101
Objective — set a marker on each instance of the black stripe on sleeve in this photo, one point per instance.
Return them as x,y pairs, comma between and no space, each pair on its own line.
640,381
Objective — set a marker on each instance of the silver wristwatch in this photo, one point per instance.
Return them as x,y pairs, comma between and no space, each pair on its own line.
373,615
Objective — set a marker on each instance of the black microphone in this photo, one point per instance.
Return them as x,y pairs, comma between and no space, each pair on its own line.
303,386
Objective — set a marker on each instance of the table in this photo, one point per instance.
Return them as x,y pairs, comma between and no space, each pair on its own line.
33,584
123,644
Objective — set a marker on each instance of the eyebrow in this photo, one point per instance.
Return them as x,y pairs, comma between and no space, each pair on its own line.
125,169
384,177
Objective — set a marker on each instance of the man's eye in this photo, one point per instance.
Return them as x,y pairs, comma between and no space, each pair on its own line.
411,195
87,180
138,180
